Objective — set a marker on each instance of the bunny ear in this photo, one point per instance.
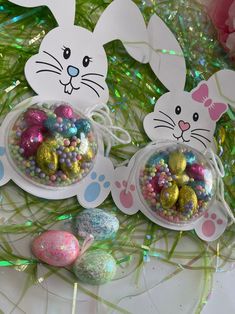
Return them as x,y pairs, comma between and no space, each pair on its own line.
63,11
166,56
123,20
222,84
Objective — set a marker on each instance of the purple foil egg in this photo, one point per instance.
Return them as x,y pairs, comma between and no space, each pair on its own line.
56,248
64,111
30,140
35,117
196,171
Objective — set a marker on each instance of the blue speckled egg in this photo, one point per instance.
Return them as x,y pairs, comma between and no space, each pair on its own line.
95,267
83,126
97,222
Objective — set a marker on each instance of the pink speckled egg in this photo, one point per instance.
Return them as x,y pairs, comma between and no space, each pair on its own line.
196,171
35,117
30,140
56,248
64,111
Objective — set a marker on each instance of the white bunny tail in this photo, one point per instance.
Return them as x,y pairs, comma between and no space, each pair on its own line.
166,56
123,20
222,86
63,10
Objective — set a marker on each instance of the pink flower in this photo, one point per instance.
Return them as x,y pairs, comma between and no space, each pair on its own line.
222,13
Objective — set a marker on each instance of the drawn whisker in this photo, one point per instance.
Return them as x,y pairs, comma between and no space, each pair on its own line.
163,126
48,71
88,74
206,130
54,59
196,134
93,83
167,116
164,121
91,88
49,64
199,140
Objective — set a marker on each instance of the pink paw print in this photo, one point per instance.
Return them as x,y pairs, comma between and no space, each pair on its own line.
125,196
210,225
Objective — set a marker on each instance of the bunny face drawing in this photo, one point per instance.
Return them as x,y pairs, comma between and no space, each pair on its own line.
69,72
69,69
179,117
182,119
72,64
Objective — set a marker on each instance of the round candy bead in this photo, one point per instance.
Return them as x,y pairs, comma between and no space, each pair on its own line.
95,267
56,248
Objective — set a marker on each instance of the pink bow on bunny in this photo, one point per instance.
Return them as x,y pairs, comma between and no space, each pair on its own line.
215,109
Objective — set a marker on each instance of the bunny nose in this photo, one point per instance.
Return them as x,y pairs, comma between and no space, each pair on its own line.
72,71
184,126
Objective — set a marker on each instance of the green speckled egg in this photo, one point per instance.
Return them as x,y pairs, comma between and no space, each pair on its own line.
95,267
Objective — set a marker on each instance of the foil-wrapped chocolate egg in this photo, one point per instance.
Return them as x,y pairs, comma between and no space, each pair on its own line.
71,170
169,196
83,126
181,179
56,248
47,158
196,171
35,117
30,140
187,199
177,162
64,111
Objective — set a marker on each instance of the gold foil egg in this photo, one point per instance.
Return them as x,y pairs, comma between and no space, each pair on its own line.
177,162
71,171
169,196
47,158
88,155
181,179
187,199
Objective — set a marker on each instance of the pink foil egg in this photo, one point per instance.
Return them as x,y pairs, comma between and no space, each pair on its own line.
35,117
64,111
30,140
196,171
56,248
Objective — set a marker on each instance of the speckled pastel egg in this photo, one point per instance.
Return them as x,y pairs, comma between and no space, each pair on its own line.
97,222
64,111
169,196
56,248
30,140
187,199
95,267
35,117
177,162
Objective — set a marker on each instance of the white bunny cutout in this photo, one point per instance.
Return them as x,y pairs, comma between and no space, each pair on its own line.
181,117
71,66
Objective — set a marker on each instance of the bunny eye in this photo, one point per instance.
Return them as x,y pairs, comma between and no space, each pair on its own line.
67,53
178,110
86,61
195,116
